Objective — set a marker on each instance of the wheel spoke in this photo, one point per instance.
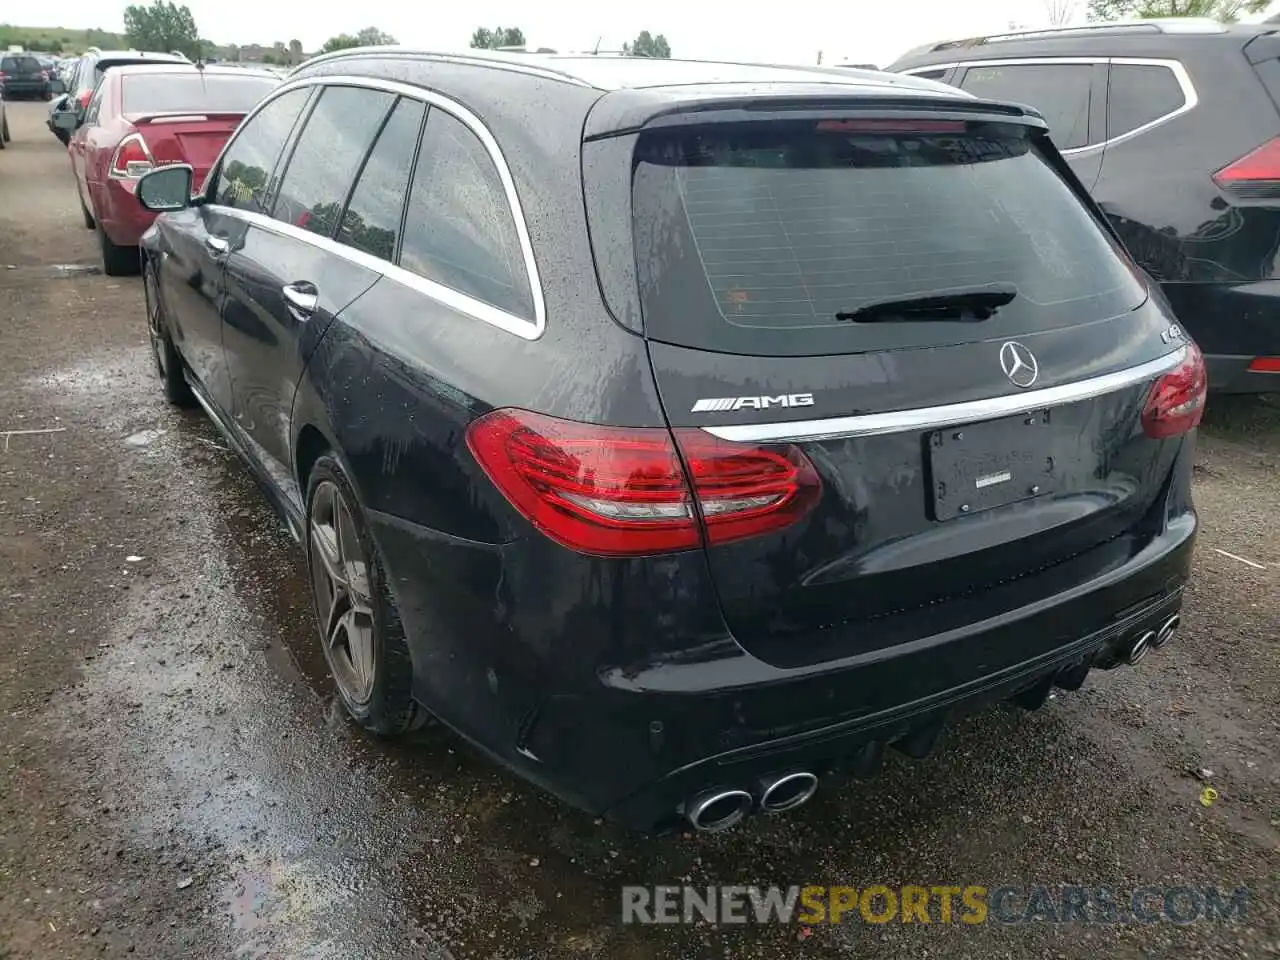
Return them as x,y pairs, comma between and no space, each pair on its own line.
355,571
355,634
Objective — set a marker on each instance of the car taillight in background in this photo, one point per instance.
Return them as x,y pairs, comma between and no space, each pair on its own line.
1176,402
1256,175
132,158
628,491
84,98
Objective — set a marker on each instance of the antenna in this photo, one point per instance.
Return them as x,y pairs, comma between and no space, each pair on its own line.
596,51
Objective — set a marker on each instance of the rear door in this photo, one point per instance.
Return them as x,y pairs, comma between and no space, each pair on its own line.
1070,93
958,453
286,279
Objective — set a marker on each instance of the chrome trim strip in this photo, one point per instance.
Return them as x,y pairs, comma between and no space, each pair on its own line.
934,418
1190,98
512,323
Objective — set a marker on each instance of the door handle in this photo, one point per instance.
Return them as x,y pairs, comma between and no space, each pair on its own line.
217,245
302,298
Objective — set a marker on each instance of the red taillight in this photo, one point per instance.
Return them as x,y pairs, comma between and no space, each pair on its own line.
1256,174
1176,403
1265,365
624,491
84,98
132,158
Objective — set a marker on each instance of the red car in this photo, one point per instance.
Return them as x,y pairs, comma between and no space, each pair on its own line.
141,117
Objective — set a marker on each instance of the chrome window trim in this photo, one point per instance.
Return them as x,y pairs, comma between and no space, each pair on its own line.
1190,98
523,327
948,415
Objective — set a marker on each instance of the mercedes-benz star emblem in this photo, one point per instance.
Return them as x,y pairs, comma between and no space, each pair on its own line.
1019,364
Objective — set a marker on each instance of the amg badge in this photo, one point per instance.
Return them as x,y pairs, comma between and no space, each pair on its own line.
722,404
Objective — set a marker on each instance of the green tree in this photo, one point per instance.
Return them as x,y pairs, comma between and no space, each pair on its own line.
373,37
163,26
1227,11
295,52
368,37
486,39
342,41
647,45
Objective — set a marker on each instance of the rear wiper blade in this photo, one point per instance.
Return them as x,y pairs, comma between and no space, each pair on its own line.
965,303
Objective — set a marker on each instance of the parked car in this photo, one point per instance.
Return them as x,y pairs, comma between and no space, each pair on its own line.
143,116
676,430
24,76
1173,126
4,121
83,79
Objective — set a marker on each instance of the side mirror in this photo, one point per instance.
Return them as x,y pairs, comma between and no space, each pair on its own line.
66,120
166,189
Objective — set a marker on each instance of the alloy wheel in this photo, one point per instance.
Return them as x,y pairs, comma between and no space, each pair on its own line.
340,584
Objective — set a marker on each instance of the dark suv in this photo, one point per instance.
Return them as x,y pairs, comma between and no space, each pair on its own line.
676,430
1173,126
23,75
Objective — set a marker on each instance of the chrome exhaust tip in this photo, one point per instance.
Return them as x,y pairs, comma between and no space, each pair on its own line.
788,792
1167,630
1141,647
718,810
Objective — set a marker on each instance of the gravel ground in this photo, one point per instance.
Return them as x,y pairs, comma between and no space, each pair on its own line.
176,780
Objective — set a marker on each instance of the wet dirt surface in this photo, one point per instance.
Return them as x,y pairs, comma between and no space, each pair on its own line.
177,781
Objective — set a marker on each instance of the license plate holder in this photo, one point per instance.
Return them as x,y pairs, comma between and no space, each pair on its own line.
981,466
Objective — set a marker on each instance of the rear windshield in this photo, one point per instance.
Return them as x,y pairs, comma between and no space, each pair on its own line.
752,238
20,64
179,93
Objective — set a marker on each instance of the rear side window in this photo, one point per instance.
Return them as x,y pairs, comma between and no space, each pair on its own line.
1140,94
372,219
1060,91
178,93
338,133
242,181
460,231
763,238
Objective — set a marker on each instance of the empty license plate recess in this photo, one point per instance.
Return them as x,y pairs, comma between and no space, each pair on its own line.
985,465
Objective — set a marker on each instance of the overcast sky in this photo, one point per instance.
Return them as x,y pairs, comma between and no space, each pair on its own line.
792,31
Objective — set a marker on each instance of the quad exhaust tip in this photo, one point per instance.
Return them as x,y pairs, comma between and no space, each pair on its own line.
788,792
1141,647
1167,630
719,810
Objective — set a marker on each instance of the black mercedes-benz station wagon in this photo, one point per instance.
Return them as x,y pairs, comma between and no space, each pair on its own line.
678,432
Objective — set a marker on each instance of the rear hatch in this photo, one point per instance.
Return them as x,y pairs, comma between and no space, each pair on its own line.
187,115
946,354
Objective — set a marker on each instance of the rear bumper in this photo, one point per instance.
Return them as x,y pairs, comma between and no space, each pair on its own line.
1229,374
635,742
26,88
122,217
1232,324
1022,649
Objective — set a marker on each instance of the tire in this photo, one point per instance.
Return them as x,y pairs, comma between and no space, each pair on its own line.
168,361
349,605
4,131
89,222
116,261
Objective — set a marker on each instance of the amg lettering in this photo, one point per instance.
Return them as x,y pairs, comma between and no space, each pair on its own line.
723,404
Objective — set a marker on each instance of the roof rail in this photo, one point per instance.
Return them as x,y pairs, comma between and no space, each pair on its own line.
522,63
97,50
1167,25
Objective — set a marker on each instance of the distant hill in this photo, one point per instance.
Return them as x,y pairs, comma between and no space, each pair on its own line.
58,39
